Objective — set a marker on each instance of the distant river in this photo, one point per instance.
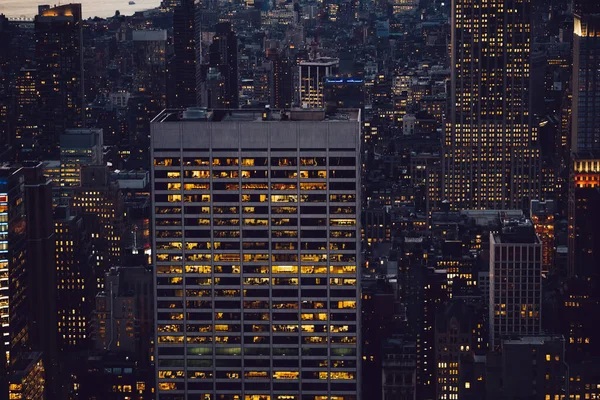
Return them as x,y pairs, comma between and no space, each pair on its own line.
90,8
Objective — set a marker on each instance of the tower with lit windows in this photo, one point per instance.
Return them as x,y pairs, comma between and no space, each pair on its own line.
312,76
584,187
491,157
256,247
59,57
14,303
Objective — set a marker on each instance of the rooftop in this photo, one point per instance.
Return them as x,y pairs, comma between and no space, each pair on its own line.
146,36
321,61
198,114
516,230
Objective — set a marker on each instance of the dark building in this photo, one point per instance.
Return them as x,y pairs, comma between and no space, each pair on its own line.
100,204
182,68
41,268
529,367
59,56
27,116
75,281
344,92
112,376
223,56
584,188
456,333
282,74
124,313
149,50
399,369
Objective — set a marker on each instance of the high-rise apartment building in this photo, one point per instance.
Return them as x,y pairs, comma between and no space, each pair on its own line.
256,238
515,281
59,56
584,185
491,157
312,76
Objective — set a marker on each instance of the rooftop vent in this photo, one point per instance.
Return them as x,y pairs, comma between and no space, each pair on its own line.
195,113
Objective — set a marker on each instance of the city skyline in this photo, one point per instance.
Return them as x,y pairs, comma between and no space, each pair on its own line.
300,200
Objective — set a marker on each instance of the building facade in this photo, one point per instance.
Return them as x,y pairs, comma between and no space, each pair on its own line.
59,56
515,281
312,78
584,185
491,156
256,251
182,67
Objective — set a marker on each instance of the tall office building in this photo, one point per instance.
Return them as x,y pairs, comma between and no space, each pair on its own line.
584,187
59,56
491,158
312,76
182,68
41,285
257,250
515,281
223,56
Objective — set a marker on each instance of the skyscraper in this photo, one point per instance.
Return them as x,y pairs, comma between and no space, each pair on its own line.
59,56
149,49
257,252
584,188
41,285
491,160
283,86
182,68
76,286
223,55
515,281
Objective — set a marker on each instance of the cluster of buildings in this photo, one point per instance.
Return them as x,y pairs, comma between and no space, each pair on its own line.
301,200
